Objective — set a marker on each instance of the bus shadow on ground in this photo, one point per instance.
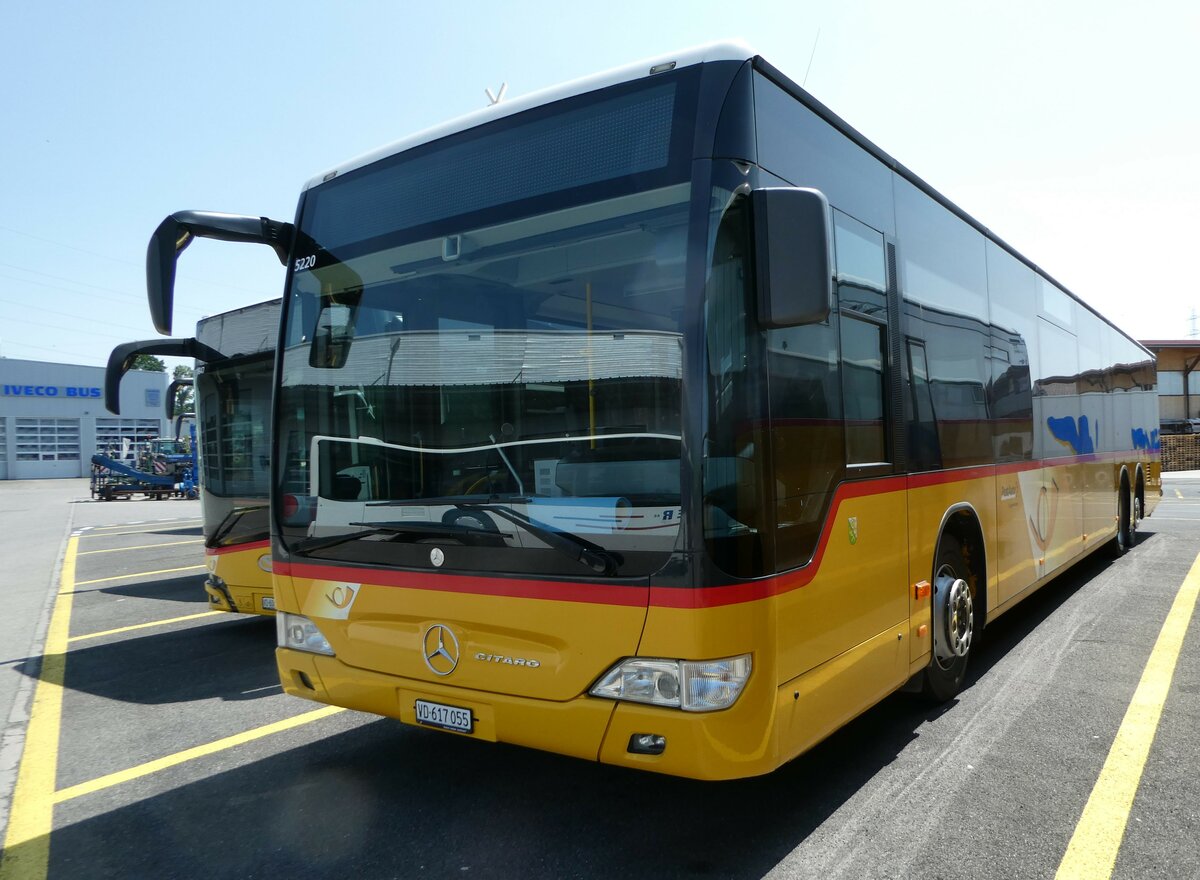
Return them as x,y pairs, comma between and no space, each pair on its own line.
231,660
177,589
388,800
180,531
138,530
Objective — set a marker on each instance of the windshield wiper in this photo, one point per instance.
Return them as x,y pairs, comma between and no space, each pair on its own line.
396,529
595,557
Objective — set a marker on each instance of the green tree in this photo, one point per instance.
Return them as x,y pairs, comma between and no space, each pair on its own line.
184,395
149,363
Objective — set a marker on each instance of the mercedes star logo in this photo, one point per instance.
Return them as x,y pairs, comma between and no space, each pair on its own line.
440,649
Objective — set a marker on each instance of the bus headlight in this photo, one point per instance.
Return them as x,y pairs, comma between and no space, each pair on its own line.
691,685
297,632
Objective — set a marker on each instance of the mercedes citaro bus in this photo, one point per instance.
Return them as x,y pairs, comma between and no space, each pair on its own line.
235,357
662,419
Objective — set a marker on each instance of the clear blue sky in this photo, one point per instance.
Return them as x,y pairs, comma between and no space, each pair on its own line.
1072,129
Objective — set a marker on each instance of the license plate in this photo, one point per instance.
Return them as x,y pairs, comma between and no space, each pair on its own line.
268,603
445,717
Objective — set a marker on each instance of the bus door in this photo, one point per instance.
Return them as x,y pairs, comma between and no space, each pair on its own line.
868,535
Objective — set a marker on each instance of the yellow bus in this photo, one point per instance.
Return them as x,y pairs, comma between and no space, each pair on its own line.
661,419
234,354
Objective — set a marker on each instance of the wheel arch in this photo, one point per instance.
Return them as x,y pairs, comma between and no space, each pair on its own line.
961,521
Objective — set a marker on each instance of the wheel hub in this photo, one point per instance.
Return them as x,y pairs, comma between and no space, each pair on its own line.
954,618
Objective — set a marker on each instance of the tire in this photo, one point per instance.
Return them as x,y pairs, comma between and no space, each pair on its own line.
956,619
1127,511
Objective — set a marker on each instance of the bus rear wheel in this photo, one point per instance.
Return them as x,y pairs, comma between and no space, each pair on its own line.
955,620
1128,513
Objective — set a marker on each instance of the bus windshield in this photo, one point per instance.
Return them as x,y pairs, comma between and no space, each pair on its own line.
509,389
234,405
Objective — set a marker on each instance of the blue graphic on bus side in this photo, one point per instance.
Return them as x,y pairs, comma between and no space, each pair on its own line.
1075,435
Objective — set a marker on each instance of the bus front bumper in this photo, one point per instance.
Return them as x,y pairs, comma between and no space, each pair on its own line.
732,744
234,598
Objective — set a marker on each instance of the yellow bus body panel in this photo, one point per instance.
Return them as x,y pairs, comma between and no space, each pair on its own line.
242,579
535,648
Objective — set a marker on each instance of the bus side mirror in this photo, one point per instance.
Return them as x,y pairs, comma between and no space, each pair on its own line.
792,262
172,393
177,231
121,361
334,333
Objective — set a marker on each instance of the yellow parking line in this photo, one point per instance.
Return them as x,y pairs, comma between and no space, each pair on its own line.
178,758
1093,849
167,622
140,574
1178,494
27,841
143,546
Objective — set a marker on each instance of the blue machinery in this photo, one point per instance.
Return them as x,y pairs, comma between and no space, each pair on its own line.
113,478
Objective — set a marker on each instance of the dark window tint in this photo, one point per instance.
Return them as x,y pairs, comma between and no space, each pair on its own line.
863,355
944,264
861,290
1059,359
1012,297
861,268
924,451
736,519
1010,396
958,380
957,351
631,131
808,441
799,146
234,411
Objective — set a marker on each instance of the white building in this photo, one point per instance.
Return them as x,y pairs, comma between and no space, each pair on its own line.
53,419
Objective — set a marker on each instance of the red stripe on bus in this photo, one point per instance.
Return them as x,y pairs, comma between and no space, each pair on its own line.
233,548
565,591
673,597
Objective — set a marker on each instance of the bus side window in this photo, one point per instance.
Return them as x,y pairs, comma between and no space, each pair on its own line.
808,437
862,300
864,353
923,449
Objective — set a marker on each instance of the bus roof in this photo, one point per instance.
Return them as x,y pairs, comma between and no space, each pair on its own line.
730,50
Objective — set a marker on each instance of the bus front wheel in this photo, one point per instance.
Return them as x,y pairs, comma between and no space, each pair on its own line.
955,619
